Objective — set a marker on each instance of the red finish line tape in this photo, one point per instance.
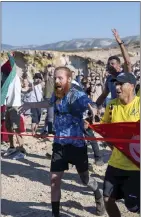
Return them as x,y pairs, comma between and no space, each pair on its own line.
78,138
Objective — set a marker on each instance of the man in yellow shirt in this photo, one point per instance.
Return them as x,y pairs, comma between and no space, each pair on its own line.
122,178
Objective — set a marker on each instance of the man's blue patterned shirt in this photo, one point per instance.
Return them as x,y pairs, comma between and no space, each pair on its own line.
70,123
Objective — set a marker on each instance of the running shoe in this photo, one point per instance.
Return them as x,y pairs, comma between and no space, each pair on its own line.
9,152
19,155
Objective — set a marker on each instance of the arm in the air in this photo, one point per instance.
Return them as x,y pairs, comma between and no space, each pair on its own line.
127,61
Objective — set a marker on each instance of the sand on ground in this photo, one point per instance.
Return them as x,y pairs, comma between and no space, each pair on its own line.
26,184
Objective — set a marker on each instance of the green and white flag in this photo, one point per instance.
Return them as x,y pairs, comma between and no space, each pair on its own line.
8,73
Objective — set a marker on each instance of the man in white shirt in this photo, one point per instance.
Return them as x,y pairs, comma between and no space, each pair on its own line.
12,119
36,96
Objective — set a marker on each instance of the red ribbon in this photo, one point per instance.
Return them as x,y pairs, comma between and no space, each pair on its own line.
77,138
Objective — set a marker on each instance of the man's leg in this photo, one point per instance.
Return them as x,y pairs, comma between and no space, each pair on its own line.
93,185
16,122
111,207
35,121
131,190
82,168
97,154
56,192
45,125
20,141
50,118
58,166
8,126
112,191
95,148
11,141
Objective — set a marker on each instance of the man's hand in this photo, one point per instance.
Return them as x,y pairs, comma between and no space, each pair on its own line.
116,35
22,109
127,61
93,111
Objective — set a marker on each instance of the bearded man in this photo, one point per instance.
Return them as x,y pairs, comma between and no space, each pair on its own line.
70,102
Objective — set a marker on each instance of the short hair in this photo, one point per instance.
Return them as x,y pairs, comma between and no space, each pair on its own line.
66,69
114,58
49,65
84,80
37,76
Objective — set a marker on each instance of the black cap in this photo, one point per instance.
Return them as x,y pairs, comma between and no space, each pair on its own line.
125,77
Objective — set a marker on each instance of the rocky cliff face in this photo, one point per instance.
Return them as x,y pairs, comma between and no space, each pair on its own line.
33,61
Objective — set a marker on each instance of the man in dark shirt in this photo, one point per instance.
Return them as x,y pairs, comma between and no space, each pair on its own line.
114,68
49,88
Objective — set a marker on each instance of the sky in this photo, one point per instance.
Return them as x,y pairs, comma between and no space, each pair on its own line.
38,23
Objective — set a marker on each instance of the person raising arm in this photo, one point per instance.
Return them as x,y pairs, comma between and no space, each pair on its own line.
114,69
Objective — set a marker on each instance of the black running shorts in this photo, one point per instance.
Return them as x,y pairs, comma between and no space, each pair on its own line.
123,184
64,154
36,115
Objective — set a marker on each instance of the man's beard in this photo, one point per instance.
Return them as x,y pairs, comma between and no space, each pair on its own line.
60,91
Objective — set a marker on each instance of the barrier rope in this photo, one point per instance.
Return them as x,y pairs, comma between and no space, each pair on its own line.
77,138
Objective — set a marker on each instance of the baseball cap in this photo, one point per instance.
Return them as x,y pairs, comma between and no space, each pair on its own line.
125,77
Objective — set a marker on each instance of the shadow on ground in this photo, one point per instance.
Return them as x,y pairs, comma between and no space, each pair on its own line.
11,169
40,173
31,209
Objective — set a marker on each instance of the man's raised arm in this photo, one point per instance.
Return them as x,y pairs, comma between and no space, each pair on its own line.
127,62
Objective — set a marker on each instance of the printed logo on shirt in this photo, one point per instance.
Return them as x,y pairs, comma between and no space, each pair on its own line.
134,112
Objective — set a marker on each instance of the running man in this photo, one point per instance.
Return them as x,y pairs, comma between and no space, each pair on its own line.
69,103
122,178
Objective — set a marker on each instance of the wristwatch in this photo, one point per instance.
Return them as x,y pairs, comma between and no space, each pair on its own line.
122,42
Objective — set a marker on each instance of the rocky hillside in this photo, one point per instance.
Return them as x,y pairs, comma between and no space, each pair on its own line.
32,61
77,44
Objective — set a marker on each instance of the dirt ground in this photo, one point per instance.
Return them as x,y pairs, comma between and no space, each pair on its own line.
26,185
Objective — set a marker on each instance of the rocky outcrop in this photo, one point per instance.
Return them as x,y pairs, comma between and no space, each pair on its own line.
32,61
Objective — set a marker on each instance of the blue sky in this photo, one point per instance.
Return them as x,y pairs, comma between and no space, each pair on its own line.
38,23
